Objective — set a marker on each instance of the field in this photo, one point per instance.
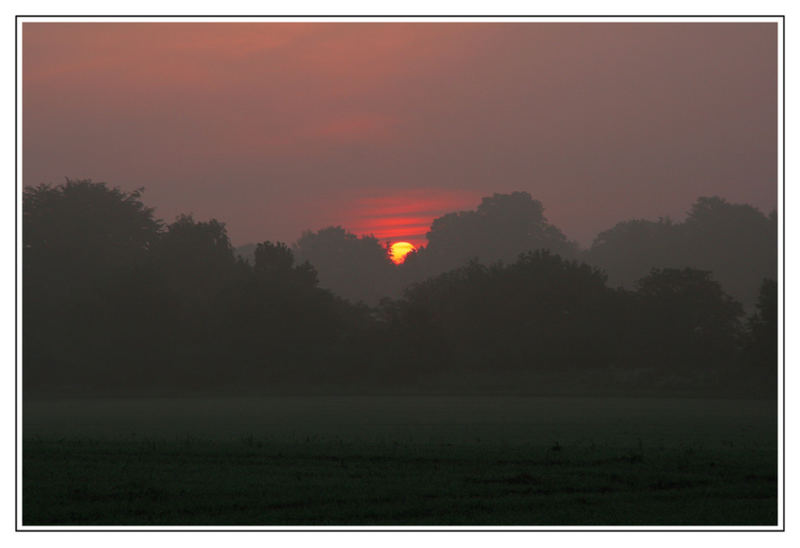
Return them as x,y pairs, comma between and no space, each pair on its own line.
400,461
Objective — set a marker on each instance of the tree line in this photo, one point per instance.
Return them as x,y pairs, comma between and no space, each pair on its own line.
736,242
115,301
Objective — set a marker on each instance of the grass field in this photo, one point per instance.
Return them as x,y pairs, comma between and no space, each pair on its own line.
400,461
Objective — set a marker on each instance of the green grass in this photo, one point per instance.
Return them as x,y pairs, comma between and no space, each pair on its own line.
400,461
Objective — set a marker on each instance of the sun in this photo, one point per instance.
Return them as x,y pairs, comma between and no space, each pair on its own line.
399,250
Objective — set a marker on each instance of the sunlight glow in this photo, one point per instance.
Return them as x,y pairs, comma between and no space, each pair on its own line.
399,250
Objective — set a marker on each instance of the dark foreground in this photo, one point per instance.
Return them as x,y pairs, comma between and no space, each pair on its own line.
402,461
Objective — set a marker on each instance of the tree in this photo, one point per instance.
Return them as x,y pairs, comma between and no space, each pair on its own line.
195,259
80,233
734,241
542,315
687,325
285,329
191,267
353,267
761,342
82,242
276,262
502,227
629,250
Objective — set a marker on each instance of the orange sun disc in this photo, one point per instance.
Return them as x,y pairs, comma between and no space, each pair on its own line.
399,250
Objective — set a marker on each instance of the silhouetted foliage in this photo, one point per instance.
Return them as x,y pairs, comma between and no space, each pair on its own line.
734,241
246,252
688,326
502,227
541,314
81,233
117,302
631,248
195,259
356,268
191,266
272,259
761,342
82,242
276,262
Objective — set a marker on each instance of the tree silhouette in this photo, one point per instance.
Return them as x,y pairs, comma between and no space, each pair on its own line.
287,331
81,233
353,267
502,227
688,325
195,258
275,262
117,302
734,241
82,241
191,266
541,314
761,341
629,250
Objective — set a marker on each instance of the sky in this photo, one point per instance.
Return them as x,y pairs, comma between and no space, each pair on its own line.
277,128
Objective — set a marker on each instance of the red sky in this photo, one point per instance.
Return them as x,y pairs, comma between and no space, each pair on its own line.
275,128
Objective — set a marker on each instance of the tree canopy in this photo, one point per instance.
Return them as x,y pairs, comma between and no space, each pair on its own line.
736,242
116,301
502,227
355,267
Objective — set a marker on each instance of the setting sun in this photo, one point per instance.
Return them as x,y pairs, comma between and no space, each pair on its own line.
399,250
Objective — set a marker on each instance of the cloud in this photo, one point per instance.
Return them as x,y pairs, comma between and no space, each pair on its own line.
406,215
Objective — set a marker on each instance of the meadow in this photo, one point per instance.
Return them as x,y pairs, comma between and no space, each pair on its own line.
400,461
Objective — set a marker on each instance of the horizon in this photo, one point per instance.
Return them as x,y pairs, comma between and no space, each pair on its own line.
418,239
